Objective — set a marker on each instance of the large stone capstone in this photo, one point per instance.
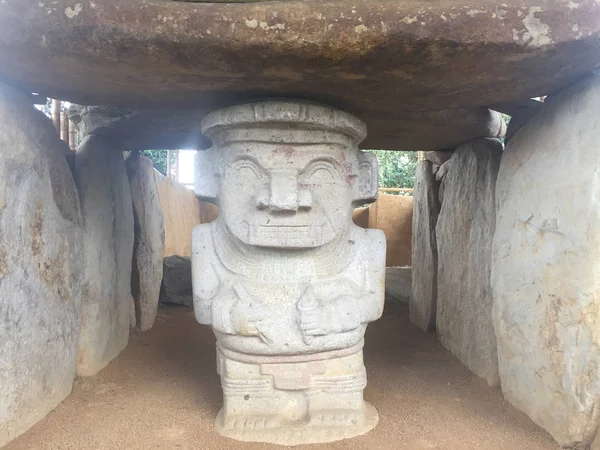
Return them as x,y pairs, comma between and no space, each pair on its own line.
464,234
545,267
388,63
41,266
149,240
286,280
141,129
107,211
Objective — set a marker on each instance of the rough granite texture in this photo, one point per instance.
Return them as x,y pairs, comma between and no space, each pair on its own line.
41,267
386,62
170,128
424,248
545,267
464,234
107,212
149,240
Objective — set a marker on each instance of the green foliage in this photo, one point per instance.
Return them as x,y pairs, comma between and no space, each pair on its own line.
396,169
159,159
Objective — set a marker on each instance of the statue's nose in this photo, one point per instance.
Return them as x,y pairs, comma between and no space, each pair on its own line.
283,195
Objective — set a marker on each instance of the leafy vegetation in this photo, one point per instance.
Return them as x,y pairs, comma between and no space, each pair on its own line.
396,169
159,159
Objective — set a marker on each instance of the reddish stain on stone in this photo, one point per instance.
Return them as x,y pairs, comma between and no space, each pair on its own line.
286,151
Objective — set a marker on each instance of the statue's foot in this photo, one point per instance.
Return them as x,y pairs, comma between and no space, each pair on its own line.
336,417
321,426
251,422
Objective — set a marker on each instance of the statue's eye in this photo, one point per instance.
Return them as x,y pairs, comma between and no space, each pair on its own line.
320,173
246,171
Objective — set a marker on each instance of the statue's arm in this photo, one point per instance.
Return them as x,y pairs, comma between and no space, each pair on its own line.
205,281
217,301
371,303
348,312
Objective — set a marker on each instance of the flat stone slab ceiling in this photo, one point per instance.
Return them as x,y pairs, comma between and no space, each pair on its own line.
378,59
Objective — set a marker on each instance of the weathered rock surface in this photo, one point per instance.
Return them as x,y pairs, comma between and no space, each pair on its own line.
149,240
107,211
545,265
398,283
141,129
41,259
464,234
438,157
182,211
176,288
377,60
134,129
423,300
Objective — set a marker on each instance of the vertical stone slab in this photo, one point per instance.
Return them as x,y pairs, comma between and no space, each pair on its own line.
149,243
464,232
41,259
108,246
423,300
546,267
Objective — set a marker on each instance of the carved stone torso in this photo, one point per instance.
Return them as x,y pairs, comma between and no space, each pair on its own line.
279,281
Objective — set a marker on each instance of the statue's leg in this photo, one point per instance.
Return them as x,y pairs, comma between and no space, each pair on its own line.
250,400
293,400
337,395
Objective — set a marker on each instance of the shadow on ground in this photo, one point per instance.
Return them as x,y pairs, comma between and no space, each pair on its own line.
163,392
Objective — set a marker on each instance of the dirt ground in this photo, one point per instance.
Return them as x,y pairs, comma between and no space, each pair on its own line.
163,392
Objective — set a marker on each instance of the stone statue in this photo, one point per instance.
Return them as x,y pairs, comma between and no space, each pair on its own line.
283,276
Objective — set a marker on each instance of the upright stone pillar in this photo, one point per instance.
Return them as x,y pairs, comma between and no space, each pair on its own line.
464,233
423,301
41,266
284,277
108,235
546,267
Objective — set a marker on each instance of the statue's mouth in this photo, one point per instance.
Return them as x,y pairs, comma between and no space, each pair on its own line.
272,225
288,232
285,234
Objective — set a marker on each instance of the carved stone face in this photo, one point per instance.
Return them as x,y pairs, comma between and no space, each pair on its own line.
274,195
285,174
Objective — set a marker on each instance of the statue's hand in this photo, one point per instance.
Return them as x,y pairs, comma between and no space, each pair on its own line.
312,317
250,314
336,316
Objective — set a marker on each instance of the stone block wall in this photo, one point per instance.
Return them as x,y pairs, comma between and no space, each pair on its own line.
182,211
393,215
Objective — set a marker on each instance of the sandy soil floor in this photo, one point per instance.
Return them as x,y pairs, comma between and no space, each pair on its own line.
163,393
